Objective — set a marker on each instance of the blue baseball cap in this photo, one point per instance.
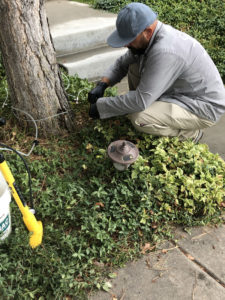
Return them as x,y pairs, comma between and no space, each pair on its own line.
130,22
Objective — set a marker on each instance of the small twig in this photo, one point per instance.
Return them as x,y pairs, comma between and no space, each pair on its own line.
169,249
213,235
159,276
123,295
202,234
152,268
43,183
160,270
199,236
148,263
155,278
194,286
159,264
165,250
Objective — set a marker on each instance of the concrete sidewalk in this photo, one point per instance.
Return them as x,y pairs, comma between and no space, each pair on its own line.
193,267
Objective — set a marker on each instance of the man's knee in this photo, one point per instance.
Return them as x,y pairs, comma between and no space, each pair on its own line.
144,122
135,118
140,123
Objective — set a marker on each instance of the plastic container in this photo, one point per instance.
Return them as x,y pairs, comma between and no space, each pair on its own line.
5,216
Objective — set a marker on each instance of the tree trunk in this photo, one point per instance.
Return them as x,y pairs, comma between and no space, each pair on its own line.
33,75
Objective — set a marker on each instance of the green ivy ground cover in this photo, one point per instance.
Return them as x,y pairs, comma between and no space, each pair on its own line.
96,218
202,19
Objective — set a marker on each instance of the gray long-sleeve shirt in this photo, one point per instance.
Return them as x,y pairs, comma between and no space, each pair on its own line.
174,68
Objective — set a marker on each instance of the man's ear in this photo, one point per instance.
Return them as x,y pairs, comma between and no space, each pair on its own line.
148,32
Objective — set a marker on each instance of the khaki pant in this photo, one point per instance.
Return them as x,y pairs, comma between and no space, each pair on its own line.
163,118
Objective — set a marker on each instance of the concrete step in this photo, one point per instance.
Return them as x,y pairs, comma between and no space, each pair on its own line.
79,35
90,64
82,34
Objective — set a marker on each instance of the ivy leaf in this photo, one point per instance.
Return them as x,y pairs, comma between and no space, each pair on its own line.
112,275
107,286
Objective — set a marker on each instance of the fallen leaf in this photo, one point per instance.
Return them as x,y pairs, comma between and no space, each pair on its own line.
140,233
13,136
112,275
99,204
89,146
117,122
98,264
84,167
147,247
154,225
190,257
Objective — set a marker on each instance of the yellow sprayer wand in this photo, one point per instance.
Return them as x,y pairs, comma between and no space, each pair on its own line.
29,219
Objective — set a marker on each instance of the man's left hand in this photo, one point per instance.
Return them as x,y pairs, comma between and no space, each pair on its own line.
93,111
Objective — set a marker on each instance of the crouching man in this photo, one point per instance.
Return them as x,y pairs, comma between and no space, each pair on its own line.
175,88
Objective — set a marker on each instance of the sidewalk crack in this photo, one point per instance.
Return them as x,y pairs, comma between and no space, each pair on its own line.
200,265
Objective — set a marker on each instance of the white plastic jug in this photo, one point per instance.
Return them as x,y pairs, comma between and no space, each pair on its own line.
5,216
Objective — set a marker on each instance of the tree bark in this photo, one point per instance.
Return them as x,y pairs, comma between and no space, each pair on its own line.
33,75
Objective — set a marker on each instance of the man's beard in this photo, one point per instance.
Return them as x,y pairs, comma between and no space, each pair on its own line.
136,51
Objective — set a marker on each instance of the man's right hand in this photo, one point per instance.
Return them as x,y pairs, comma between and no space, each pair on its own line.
97,92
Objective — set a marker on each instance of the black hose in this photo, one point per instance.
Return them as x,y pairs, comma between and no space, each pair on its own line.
27,169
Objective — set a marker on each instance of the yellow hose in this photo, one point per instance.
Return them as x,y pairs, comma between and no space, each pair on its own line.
29,219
